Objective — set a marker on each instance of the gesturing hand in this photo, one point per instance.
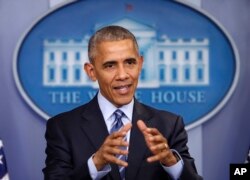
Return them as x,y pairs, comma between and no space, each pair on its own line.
157,144
111,147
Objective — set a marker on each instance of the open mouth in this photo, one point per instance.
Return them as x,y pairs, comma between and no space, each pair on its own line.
122,89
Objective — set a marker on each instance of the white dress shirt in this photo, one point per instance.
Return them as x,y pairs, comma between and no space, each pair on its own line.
107,110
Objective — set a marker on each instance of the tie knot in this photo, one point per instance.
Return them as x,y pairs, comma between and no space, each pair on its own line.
117,124
118,114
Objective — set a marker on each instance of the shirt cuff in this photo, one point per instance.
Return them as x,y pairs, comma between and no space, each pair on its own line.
175,170
95,175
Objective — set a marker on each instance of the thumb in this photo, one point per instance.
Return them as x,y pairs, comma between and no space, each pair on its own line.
126,127
141,125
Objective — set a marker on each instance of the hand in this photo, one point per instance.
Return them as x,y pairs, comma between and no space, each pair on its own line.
111,147
157,144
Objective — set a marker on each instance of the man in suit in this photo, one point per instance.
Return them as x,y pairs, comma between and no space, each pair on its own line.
146,144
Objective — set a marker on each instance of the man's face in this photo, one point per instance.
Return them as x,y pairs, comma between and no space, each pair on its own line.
116,68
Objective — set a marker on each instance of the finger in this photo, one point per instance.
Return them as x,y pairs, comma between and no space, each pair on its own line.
141,125
107,151
153,131
143,128
113,159
126,127
122,132
157,157
118,142
117,134
120,162
157,139
117,151
159,148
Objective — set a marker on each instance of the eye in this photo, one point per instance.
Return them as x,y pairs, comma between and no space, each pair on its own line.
131,61
109,65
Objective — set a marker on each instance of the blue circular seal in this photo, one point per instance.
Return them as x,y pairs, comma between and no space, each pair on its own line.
191,65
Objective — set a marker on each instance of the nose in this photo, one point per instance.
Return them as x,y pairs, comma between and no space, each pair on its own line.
122,73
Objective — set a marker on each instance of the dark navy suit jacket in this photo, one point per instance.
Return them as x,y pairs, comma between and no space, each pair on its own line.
72,137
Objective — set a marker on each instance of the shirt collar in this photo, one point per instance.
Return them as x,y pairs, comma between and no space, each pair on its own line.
107,108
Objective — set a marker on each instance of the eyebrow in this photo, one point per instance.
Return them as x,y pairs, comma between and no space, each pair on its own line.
115,62
109,62
130,59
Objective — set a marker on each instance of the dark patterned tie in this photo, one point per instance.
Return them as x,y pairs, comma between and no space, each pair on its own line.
116,126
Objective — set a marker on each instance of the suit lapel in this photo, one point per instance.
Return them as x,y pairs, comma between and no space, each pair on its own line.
93,124
137,146
95,129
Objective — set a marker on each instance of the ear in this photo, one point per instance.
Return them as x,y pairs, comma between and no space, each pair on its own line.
141,62
90,71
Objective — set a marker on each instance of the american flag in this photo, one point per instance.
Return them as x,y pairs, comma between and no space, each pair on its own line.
3,166
248,157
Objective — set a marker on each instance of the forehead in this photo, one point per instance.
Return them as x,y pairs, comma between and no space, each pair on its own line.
127,42
115,47
114,50
119,44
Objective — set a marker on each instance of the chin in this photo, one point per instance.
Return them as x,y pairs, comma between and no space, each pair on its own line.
122,102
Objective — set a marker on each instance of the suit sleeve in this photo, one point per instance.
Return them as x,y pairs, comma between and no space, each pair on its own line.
178,141
58,162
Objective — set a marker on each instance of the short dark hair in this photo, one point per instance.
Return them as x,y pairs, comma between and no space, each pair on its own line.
109,33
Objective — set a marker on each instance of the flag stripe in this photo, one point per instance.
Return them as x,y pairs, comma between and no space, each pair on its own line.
3,165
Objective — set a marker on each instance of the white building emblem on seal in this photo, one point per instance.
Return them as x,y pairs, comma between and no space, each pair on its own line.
167,61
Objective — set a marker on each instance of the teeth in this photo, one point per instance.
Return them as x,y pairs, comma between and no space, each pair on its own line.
121,87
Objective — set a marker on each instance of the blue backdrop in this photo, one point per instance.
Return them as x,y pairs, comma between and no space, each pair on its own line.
225,137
